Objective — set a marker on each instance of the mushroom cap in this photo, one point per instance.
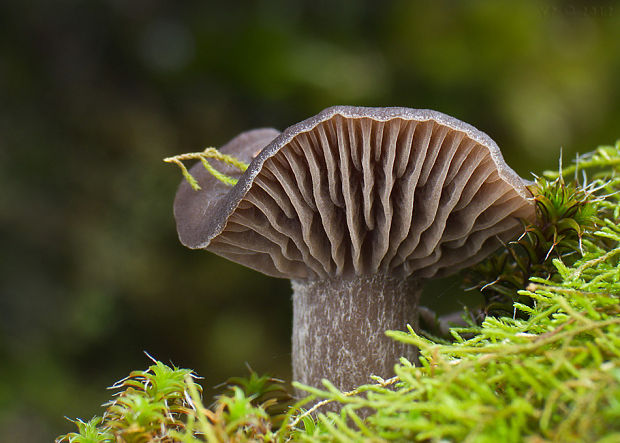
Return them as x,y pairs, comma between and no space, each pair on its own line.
358,191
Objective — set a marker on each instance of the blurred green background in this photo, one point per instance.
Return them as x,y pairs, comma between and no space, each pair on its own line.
93,94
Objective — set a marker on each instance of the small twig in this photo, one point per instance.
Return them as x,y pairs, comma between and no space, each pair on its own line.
383,384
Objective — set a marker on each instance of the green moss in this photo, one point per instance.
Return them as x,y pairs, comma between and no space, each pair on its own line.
542,365
208,153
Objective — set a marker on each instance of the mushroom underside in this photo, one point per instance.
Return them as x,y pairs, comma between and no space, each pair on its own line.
356,197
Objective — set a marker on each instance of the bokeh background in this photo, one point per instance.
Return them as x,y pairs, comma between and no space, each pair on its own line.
93,94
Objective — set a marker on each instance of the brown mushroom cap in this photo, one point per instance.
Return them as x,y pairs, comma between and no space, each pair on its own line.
358,191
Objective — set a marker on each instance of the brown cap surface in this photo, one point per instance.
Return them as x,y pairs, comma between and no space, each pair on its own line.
358,191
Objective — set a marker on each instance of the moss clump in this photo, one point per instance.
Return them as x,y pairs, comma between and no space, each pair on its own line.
163,404
565,213
543,365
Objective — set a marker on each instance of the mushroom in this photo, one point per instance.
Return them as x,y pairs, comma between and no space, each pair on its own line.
357,207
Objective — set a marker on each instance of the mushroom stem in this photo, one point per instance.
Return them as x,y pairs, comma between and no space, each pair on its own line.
339,328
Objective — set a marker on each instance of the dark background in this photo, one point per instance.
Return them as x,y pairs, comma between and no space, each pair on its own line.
93,94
